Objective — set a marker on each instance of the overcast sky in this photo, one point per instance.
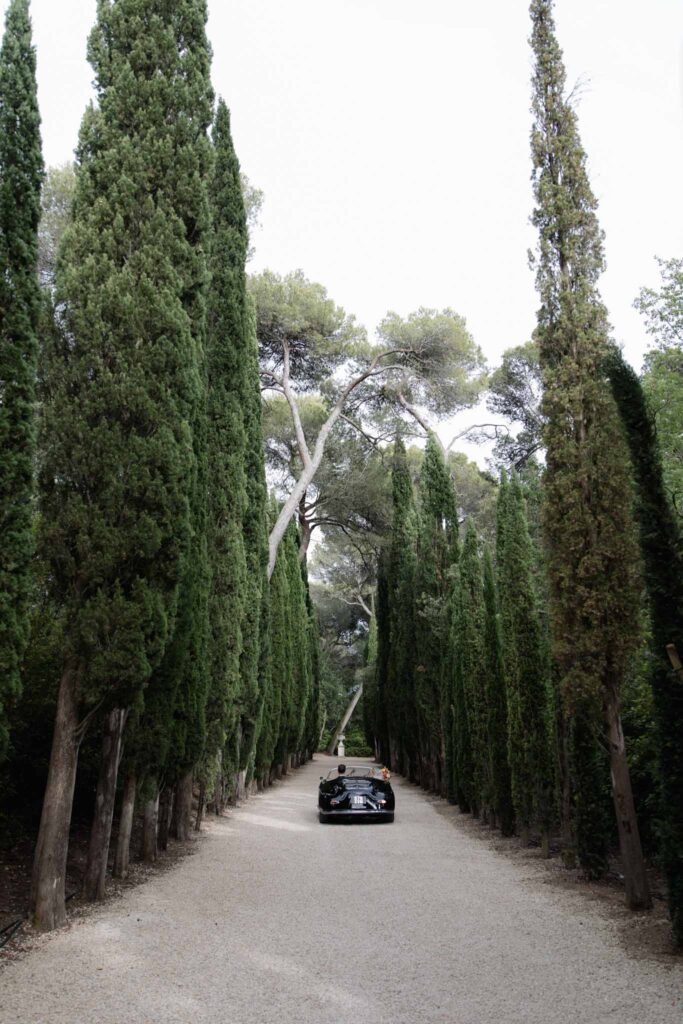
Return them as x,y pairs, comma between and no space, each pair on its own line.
391,140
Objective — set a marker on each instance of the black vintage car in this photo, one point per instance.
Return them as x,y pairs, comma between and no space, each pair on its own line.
360,792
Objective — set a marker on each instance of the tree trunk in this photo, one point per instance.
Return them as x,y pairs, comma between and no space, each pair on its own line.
149,829
545,843
165,811
200,807
183,796
48,907
242,785
94,882
524,835
122,859
633,864
218,796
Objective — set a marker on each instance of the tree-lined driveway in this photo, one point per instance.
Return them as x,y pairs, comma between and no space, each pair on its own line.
280,920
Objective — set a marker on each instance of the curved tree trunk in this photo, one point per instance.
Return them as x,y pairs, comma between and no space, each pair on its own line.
48,907
100,833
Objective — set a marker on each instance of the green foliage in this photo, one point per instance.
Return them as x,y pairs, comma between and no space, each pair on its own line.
320,337
437,553
21,175
124,375
514,392
444,368
227,366
525,665
470,739
660,542
500,794
399,685
56,201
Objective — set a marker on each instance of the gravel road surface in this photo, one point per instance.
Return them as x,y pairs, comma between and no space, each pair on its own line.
280,920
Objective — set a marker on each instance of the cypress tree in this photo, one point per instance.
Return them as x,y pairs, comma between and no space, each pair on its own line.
21,176
438,552
383,612
470,741
525,667
255,533
124,381
401,707
587,506
660,543
496,706
226,360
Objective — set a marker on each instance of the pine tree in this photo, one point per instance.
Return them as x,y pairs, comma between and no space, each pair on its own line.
587,510
438,552
21,175
525,667
660,543
400,694
470,740
496,706
125,381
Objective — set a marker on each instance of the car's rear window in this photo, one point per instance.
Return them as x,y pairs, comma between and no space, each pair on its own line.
357,771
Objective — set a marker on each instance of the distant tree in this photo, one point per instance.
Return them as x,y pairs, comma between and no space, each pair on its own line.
123,383
514,393
663,371
588,525
21,176
57,201
309,345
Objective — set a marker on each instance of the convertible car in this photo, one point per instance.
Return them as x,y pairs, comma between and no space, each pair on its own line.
360,792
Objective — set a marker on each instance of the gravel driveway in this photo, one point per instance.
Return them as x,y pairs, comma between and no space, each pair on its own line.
280,920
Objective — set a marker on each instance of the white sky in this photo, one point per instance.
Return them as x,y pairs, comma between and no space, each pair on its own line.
391,140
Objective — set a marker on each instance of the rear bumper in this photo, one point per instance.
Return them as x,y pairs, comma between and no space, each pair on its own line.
359,814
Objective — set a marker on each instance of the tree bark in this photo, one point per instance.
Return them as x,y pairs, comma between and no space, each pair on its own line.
183,796
48,907
94,882
149,829
122,859
165,811
633,864
200,807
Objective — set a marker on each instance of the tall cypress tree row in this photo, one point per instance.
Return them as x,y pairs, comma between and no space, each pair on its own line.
400,695
255,534
525,669
21,176
383,612
470,740
663,561
227,367
438,552
501,804
124,381
587,507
